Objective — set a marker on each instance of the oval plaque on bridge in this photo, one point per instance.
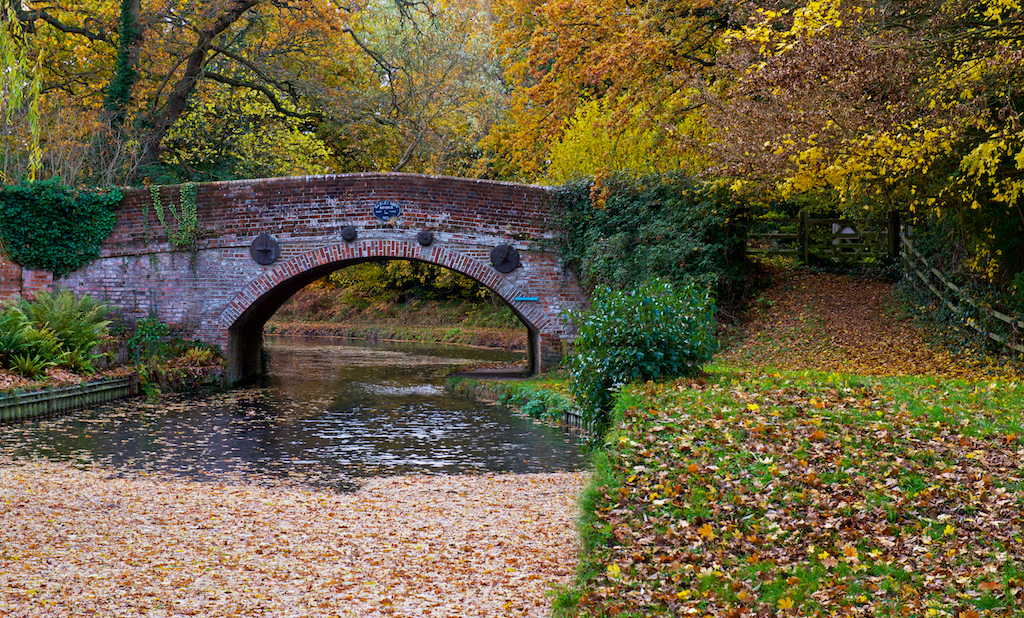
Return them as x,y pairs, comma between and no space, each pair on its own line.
385,210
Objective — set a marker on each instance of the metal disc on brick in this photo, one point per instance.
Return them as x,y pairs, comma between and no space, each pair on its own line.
265,249
348,234
504,258
425,238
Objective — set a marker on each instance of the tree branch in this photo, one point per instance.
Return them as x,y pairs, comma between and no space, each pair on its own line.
30,17
265,91
177,100
283,85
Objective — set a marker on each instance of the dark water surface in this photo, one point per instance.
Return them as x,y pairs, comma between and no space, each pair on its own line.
329,412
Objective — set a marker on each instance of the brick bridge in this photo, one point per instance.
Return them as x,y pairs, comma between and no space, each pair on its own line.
220,293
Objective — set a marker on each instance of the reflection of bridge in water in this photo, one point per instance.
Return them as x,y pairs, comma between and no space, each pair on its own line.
263,240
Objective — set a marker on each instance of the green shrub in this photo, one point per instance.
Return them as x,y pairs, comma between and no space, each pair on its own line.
625,231
14,327
42,342
537,403
53,330
149,339
78,323
651,332
32,366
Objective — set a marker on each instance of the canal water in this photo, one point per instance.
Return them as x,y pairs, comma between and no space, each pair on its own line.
329,413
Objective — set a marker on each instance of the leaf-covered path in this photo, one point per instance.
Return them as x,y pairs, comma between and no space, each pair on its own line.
847,324
83,543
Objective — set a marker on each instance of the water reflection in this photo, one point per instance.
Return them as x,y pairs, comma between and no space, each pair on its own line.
329,412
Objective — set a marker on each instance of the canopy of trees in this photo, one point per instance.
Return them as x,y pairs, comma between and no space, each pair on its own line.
233,88
843,106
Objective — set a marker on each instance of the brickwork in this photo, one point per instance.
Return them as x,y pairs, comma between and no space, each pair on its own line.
10,279
33,281
219,294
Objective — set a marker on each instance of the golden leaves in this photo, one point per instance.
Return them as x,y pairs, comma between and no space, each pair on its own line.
91,544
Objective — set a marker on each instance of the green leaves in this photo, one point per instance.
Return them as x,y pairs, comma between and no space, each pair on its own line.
651,332
52,330
621,232
49,226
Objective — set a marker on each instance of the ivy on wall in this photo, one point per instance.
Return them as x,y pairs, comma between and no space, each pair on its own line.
188,228
49,226
622,231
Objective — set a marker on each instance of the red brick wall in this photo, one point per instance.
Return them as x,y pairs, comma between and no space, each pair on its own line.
220,294
33,281
10,279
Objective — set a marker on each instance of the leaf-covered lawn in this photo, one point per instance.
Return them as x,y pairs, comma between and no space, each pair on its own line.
778,486
817,495
82,543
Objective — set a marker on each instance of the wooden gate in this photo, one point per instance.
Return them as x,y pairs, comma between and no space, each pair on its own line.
843,241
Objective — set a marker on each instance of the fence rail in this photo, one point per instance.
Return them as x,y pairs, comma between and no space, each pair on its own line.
934,279
846,241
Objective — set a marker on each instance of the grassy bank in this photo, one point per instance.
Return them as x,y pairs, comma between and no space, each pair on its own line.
498,338
803,493
836,461
544,398
338,312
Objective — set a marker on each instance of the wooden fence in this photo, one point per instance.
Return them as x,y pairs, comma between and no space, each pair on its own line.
952,296
845,241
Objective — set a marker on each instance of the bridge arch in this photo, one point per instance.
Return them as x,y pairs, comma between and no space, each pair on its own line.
248,312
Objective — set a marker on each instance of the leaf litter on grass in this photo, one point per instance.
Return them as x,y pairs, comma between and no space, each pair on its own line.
753,495
833,462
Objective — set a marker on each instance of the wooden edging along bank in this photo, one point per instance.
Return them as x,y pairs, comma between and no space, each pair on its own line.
20,406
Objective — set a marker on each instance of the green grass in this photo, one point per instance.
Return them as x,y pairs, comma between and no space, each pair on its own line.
545,397
806,493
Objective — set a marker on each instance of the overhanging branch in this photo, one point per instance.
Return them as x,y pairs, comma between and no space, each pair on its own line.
265,91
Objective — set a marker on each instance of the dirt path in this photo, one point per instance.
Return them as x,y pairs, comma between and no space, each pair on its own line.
830,322
80,543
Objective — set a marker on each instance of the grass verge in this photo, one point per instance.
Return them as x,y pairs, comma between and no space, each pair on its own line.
544,398
807,494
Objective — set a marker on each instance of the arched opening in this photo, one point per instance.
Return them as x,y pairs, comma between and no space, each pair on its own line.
249,312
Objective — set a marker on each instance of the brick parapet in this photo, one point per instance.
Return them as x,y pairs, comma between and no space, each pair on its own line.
233,212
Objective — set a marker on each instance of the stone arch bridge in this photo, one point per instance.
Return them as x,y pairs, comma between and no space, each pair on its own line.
263,240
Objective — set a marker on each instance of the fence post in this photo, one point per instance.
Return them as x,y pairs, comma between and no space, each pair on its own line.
894,235
805,233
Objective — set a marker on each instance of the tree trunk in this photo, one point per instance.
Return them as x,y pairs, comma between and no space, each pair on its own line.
177,100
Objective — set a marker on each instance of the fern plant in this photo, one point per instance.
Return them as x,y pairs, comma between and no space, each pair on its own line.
32,366
53,330
14,327
77,324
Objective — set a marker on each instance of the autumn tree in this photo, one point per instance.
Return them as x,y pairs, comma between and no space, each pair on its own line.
19,102
635,65
323,76
878,106
435,90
